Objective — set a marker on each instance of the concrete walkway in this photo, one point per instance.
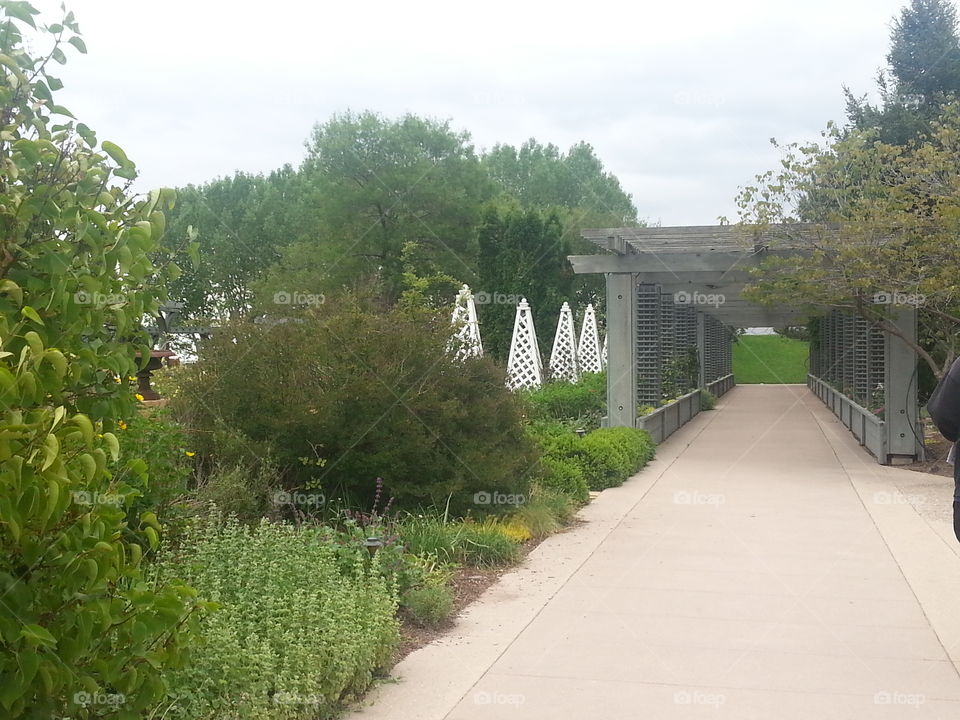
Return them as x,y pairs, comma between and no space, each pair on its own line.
763,566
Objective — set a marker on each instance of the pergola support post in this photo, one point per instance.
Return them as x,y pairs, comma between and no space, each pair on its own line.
701,350
901,417
621,350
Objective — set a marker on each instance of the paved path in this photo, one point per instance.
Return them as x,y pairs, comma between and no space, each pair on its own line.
763,566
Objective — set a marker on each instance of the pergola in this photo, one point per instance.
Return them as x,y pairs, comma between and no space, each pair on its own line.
697,275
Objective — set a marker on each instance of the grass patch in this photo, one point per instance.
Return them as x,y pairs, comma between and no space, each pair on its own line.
770,359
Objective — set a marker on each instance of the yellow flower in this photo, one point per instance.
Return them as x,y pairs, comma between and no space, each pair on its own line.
139,397
117,379
131,378
189,454
122,425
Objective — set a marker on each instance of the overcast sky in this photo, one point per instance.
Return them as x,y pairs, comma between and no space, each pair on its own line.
679,99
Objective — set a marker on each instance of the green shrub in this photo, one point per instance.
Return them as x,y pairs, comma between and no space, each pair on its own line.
565,475
154,458
428,605
708,401
609,456
362,393
82,634
294,637
582,403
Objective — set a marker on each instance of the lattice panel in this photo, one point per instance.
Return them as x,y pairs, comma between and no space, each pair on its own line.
649,375
589,354
466,337
563,357
524,365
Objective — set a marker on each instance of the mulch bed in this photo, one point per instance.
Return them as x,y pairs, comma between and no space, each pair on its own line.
937,448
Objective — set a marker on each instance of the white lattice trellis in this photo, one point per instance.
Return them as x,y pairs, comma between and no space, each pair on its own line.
524,366
603,353
466,336
563,358
588,351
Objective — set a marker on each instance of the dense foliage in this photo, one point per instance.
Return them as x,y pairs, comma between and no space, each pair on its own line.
82,634
345,394
302,624
601,459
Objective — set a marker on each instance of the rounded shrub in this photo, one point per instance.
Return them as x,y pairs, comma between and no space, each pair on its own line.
564,474
345,393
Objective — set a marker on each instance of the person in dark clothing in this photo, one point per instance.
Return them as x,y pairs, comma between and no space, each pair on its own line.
944,409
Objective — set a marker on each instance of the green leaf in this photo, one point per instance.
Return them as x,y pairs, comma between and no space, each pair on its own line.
113,445
29,661
152,537
86,427
51,449
57,54
38,636
115,153
9,287
78,44
22,11
29,149
31,314
90,138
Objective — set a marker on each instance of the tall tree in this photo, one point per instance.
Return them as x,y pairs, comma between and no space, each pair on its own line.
523,253
372,186
241,223
897,214
574,186
923,74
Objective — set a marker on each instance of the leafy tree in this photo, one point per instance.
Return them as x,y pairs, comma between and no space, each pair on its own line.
890,218
573,185
923,75
371,187
522,254
240,224
82,634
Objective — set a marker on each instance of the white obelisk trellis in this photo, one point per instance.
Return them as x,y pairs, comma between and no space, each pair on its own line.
524,366
563,358
467,333
588,351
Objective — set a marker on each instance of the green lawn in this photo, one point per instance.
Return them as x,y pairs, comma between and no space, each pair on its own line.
769,359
